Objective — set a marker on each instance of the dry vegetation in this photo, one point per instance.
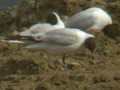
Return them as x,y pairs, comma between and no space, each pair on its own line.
33,70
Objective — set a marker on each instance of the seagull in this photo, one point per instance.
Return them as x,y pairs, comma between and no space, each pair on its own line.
36,28
57,42
93,18
42,27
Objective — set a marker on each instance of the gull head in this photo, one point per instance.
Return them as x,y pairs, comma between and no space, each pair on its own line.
89,41
60,23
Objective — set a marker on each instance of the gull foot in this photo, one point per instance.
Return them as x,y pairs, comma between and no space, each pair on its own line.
67,65
71,65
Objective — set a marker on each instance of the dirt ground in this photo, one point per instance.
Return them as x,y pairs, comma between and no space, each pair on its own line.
22,69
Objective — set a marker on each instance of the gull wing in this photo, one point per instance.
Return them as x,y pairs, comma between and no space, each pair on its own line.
83,20
59,37
37,28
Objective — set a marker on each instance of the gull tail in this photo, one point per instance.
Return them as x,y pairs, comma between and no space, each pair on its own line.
17,41
13,41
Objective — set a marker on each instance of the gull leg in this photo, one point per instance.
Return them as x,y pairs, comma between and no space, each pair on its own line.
69,65
64,62
64,59
61,60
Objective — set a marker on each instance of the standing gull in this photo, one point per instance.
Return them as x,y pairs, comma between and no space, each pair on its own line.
59,41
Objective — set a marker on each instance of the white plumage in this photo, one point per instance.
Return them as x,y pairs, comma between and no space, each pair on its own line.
60,41
54,39
43,27
56,42
90,19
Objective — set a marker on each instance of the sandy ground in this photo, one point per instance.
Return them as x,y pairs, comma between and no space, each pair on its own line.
22,69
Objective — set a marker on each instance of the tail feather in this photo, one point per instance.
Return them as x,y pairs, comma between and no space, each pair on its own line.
13,41
18,41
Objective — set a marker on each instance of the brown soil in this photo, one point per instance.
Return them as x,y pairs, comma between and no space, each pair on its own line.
33,70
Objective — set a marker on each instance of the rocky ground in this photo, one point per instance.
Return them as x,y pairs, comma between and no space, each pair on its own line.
22,69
